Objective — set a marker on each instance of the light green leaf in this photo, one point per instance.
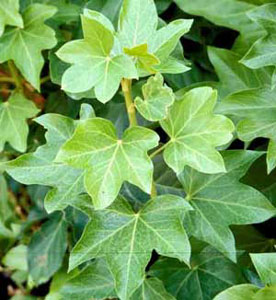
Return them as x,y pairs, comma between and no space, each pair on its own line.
94,282
151,289
195,132
39,167
9,14
6,209
210,273
109,161
263,52
93,63
271,156
145,60
24,46
267,293
47,248
16,258
233,75
126,239
238,292
13,126
265,264
221,200
157,99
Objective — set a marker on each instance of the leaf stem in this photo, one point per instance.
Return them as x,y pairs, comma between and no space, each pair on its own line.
45,79
153,190
160,149
126,88
15,75
7,79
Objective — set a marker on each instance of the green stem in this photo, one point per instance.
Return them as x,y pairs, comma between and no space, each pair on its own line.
160,149
15,75
7,79
153,190
45,79
126,88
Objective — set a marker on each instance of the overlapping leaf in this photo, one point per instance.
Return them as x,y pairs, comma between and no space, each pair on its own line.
210,273
94,65
109,161
39,167
221,200
256,110
13,126
263,52
9,14
195,131
24,45
157,99
126,239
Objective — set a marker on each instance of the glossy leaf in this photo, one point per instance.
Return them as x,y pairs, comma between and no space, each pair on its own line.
239,292
109,161
126,239
24,46
221,200
13,125
210,273
195,131
157,99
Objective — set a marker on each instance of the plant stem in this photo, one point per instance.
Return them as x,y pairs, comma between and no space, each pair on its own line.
126,88
15,75
45,79
153,190
7,79
160,149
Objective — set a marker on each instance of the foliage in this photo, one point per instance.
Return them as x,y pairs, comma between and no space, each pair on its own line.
138,149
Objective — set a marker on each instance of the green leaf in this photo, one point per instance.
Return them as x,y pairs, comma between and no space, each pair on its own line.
39,167
195,132
94,282
47,248
267,293
151,289
263,52
157,99
271,156
24,46
256,110
238,292
126,239
210,273
265,264
9,14
13,125
93,63
16,258
233,75
109,161
221,200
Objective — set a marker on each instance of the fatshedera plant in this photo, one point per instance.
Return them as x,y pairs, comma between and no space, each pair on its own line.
128,170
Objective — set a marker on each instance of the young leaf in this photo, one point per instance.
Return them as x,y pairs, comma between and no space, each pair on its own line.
13,126
94,282
109,161
47,248
151,289
265,264
126,239
16,258
263,52
137,29
94,65
24,46
195,132
157,99
39,167
9,14
221,200
210,273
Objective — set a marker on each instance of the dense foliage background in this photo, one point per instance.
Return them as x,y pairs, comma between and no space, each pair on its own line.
148,242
